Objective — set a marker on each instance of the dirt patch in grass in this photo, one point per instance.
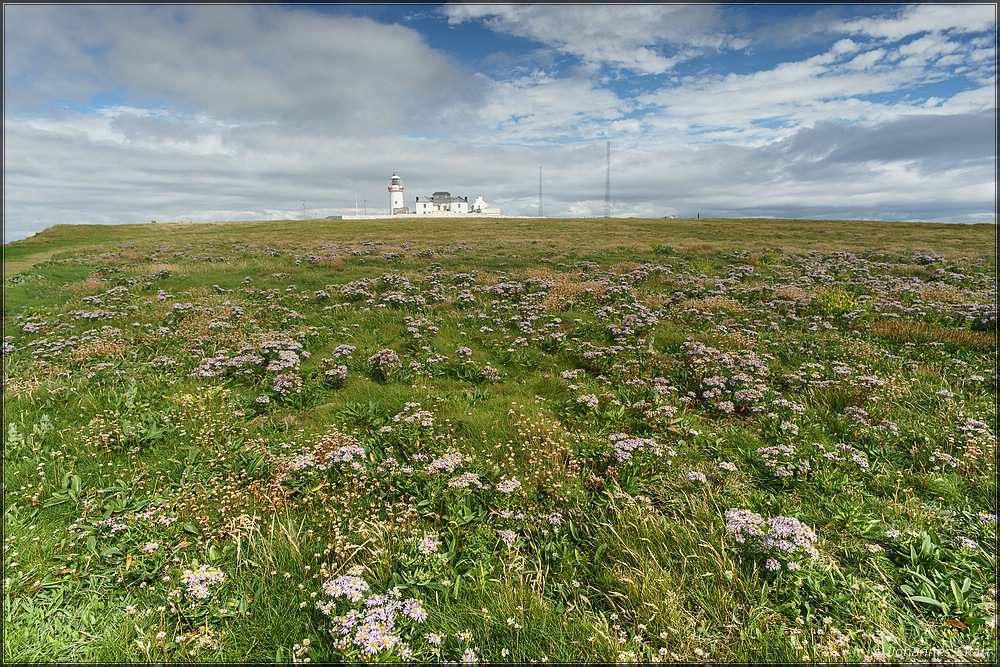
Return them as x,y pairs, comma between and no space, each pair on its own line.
99,348
713,304
571,288
945,293
791,292
88,285
533,272
917,270
904,331
159,266
12,267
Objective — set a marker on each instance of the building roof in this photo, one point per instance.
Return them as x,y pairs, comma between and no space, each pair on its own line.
445,197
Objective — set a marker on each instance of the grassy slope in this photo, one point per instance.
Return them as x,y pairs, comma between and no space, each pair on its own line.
663,569
687,235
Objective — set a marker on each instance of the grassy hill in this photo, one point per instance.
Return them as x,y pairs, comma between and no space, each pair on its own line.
696,235
572,440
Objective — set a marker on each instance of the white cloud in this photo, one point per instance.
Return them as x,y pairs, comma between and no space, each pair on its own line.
837,85
136,128
257,63
542,108
627,36
933,18
844,46
928,46
865,60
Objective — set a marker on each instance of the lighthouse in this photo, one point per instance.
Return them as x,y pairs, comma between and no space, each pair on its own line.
395,193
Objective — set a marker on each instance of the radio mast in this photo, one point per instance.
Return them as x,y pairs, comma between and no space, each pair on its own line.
539,192
607,183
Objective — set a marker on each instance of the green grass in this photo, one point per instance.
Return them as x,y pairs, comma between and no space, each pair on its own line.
600,393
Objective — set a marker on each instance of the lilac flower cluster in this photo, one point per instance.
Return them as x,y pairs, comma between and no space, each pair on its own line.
286,359
374,625
508,486
384,291
509,537
447,462
780,536
428,545
730,380
328,453
624,447
154,516
943,457
419,327
350,586
553,518
385,363
490,374
412,414
287,384
465,480
792,459
335,374
272,355
198,581
343,351
627,320
862,424
975,445
44,348
697,477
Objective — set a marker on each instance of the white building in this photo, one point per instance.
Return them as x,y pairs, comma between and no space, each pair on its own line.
443,202
396,194
479,206
438,204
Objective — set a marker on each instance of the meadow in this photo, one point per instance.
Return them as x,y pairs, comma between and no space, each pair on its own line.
501,441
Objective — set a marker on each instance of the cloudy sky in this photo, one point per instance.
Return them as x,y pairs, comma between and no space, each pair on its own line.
132,113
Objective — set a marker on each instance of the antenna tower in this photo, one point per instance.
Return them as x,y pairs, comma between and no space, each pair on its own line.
607,183
539,192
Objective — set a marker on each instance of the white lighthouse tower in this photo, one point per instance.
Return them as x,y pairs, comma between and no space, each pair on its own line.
395,194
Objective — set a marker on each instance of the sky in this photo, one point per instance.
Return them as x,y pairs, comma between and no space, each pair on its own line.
201,112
